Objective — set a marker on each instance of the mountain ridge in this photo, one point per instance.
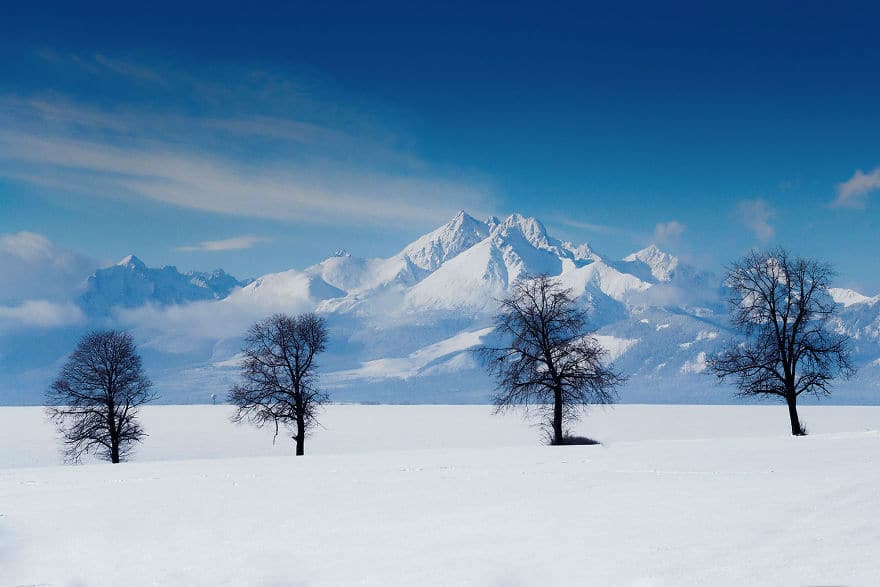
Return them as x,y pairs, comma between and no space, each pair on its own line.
402,326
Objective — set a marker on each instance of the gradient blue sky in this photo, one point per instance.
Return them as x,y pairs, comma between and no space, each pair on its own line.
277,134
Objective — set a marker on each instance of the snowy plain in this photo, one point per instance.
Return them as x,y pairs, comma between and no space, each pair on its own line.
693,495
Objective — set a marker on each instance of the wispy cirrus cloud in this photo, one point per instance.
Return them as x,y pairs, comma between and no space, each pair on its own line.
755,216
235,243
591,227
853,193
256,145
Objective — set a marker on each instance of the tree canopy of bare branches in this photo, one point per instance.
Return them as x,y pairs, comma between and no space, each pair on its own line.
780,305
279,375
94,402
549,360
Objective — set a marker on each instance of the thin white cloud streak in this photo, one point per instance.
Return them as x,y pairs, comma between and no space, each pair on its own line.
755,216
236,243
264,147
853,193
668,231
63,118
322,192
597,228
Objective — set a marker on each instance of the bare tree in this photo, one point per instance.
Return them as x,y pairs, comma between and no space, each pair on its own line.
279,375
549,360
94,402
780,304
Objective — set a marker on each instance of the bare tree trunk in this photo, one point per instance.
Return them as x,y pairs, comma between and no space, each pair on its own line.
114,435
796,429
557,417
300,436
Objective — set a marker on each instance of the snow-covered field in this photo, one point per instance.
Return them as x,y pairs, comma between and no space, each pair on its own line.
452,495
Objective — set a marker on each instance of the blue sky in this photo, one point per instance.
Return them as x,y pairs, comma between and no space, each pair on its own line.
265,137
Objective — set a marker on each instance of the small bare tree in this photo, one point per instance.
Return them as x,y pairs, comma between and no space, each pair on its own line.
780,304
279,375
549,361
94,402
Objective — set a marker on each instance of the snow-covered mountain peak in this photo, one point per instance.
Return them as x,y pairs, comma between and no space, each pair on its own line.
660,264
531,227
531,230
131,262
581,252
438,246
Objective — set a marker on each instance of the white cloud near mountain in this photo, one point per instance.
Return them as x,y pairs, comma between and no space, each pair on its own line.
235,243
39,314
179,328
665,232
28,246
34,268
853,193
756,215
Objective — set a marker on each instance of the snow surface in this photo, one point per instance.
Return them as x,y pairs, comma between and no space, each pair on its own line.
405,495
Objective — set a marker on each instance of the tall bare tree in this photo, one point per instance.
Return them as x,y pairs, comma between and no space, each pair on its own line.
94,402
781,306
549,360
279,375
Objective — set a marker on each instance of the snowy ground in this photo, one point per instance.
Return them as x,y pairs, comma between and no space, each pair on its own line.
449,494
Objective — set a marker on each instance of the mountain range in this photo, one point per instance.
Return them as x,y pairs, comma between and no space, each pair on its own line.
402,327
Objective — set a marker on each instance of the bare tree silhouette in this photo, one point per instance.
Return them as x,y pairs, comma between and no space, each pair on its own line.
279,375
550,361
780,305
94,402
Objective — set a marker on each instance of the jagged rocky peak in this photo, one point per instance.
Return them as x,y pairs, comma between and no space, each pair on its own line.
530,228
438,246
581,252
130,283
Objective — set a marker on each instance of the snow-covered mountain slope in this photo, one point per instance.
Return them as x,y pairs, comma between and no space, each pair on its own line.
402,327
130,283
849,297
651,263
859,318
288,287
